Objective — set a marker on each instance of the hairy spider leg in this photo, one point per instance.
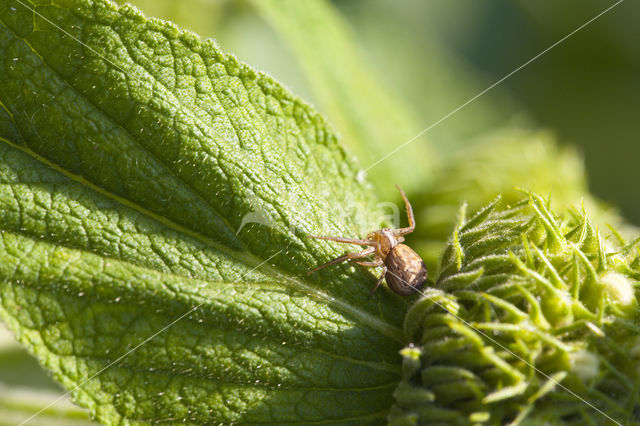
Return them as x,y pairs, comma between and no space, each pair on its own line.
347,256
345,240
372,263
412,223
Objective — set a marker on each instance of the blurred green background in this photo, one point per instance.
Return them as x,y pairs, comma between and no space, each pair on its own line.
436,55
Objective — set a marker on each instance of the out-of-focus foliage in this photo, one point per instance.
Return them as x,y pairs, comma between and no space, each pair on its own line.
373,121
503,162
586,90
26,389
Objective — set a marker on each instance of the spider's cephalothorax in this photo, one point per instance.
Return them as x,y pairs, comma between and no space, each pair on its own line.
385,240
403,269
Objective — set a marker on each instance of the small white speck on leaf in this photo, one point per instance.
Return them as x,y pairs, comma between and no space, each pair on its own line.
585,364
620,288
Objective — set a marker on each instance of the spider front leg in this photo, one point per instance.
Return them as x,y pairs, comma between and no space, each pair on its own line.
376,262
354,255
344,240
412,223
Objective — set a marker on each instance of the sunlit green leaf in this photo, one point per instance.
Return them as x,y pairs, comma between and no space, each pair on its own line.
155,201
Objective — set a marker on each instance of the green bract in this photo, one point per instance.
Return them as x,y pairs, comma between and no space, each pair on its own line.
530,314
146,177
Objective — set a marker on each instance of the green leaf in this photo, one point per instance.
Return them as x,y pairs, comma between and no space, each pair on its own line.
371,119
155,200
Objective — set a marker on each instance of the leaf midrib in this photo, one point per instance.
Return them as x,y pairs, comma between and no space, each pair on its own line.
246,258
243,257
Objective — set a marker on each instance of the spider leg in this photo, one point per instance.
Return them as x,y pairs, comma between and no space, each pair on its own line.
384,272
347,256
373,263
344,240
412,223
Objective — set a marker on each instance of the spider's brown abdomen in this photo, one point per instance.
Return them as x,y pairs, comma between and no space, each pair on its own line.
406,272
